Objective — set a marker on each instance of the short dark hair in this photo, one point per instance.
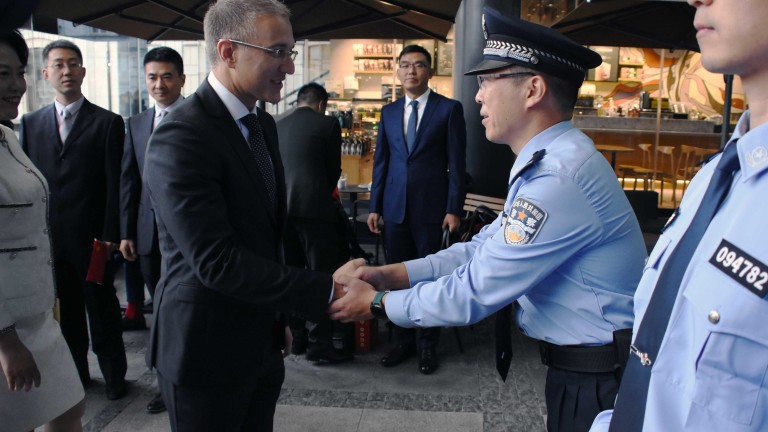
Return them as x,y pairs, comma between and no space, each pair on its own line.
63,44
165,55
312,93
14,39
564,93
416,49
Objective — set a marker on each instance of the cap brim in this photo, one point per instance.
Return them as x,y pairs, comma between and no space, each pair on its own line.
488,65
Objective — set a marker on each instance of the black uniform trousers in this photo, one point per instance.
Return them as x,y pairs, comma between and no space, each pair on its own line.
574,399
76,297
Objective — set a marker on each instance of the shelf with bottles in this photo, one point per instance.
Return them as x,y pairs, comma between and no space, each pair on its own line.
356,116
376,50
357,143
368,65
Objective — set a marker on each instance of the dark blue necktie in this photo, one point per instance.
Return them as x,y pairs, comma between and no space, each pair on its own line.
410,133
629,412
260,153
504,315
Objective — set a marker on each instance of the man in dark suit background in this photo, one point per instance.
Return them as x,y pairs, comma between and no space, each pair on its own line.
77,146
164,76
216,183
417,187
310,146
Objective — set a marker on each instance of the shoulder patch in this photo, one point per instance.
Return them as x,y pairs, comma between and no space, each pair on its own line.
524,222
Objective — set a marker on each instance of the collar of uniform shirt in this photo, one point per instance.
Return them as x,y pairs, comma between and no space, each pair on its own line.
540,141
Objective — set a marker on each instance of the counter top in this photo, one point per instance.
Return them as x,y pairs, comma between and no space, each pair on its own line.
640,124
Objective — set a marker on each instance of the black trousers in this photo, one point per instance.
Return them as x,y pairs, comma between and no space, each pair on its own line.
407,241
574,399
150,268
76,297
321,246
248,406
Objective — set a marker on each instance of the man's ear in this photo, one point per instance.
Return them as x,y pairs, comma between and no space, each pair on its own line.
226,51
537,91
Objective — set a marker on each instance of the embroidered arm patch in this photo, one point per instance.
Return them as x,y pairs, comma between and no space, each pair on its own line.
524,222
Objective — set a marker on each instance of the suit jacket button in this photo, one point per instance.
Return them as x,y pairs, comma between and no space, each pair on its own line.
12,256
45,199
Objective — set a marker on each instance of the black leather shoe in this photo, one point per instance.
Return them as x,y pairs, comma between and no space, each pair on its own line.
116,390
427,361
138,323
327,355
398,354
156,405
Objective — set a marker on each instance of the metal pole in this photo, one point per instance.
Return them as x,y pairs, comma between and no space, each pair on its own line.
658,117
725,133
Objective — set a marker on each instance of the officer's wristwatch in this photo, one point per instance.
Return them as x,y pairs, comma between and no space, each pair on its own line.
377,307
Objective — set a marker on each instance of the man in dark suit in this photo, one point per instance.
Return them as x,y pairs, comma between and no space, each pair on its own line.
310,146
417,187
164,76
77,146
216,183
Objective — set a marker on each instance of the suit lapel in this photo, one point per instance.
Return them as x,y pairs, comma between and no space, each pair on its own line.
397,124
144,129
432,103
51,128
232,137
82,122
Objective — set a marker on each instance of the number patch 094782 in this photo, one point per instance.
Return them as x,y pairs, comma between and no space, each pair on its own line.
741,267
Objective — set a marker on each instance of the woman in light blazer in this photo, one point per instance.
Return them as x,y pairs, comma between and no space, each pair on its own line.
39,382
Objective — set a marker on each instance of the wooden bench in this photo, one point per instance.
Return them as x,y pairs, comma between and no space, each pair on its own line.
473,201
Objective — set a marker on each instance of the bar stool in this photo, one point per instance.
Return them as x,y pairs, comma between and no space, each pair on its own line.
666,168
648,174
688,163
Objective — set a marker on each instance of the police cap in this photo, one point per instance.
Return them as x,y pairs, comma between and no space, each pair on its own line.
512,41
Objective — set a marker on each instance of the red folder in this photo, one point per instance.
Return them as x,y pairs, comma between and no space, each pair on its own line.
98,263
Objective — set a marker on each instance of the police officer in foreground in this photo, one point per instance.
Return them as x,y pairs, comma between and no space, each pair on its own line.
567,247
700,340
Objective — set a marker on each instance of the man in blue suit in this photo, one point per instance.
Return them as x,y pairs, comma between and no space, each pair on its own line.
417,184
164,76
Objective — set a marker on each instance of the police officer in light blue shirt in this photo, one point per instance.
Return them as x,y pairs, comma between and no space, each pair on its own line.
711,370
567,247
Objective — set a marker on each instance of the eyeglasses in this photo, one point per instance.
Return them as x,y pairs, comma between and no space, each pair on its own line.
482,78
59,66
278,53
417,65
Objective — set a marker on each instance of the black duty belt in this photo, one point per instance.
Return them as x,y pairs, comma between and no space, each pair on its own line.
577,358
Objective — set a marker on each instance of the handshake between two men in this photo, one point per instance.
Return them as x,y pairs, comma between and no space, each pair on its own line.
356,286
